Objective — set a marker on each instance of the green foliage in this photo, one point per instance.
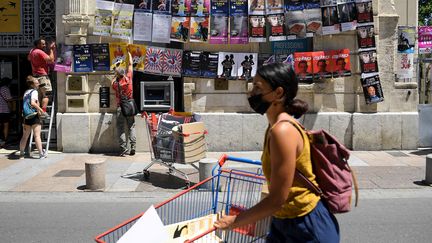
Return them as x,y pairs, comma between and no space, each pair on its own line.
425,12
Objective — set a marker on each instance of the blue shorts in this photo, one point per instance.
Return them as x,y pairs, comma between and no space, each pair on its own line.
318,226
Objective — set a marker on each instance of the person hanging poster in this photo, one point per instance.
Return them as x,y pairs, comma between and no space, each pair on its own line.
180,29
118,53
364,11
295,24
256,7
274,6
153,60
341,63
247,64
425,39
209,64
227,67
143,5
82,58
218,29
181,7
313,21
138,56
161,6
366,36
368,61
103,18
276,27
199,29
303,66
257,28
238,29
64,59
101,57
172,62
143,23
161,31
191,63
322,67
372,89
122,27
347,14
200,8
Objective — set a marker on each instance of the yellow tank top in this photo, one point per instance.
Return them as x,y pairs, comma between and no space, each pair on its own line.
300,200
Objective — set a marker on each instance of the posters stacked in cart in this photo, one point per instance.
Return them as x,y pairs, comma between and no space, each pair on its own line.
276,27
64,60
313,20
154,60
340,62
425,39
219,22
347,14
209,64
161,30
199,29
192,144
138,56
368,61
330,19
143,5
295,24
180,29
247,64
405,54
366,36
103,18
181,8
192,63
372,89
161,6
257,28
322,67
101,57
364,11
118,54
256,7
182,231
82,58
172,62
303,66
122,26
227,67
239,22
143,23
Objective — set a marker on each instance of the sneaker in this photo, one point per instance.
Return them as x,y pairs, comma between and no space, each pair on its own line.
43,155
124,152
44,115
21,155
132,152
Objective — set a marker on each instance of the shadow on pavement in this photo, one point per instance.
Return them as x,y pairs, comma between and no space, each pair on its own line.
160,179
422,152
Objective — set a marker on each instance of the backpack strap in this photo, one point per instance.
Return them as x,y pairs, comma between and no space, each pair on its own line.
309,184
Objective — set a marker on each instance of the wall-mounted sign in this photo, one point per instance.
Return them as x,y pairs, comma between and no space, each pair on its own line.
291,46
10,16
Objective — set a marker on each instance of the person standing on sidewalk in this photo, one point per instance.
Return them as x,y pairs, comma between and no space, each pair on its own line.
122,84
5,98
298,213
34,123
40,62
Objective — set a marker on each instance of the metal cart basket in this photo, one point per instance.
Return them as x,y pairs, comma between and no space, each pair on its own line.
229,191
174,139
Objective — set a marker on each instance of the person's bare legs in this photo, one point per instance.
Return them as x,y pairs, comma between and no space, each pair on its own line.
24,138
5,131
37,137
45,103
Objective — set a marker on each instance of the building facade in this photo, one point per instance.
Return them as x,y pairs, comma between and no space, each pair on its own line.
337,104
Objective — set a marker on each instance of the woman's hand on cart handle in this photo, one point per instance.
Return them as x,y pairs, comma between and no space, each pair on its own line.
226,222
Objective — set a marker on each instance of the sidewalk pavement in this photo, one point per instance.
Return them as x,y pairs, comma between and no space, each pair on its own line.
65,172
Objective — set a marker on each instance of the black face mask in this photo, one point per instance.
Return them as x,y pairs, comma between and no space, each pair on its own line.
258,104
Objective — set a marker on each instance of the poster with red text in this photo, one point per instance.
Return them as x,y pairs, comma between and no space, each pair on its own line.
340,62
303,66
322,67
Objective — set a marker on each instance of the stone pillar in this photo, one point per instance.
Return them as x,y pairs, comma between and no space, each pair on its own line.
76,22
206,166
188,89
95,174
428,178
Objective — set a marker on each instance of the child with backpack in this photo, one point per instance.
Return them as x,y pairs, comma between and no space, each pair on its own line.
299,214
31,112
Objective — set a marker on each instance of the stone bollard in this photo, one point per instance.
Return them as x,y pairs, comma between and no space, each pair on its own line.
206,166
428,179
95,174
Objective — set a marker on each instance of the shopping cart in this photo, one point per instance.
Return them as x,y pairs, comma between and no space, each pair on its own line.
168,145
229,191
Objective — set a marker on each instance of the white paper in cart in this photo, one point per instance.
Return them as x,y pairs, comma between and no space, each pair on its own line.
185,230
148,228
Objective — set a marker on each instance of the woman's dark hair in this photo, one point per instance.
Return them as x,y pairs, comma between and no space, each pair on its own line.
282,75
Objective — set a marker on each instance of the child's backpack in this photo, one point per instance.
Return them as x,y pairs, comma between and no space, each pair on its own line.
28,110
333,174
